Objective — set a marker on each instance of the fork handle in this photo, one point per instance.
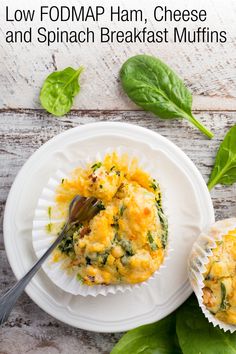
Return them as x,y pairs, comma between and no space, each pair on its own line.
8,300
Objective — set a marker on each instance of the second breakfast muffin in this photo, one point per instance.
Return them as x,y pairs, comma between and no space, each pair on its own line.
212,273
219,292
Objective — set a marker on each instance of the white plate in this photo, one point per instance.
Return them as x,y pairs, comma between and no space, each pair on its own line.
190,211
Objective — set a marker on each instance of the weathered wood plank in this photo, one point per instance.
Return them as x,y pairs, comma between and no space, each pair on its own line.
31,330
208,69
22,133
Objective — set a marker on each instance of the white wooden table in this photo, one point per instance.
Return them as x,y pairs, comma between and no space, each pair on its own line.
208,70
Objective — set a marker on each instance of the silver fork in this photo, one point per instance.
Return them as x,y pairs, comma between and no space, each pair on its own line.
80,209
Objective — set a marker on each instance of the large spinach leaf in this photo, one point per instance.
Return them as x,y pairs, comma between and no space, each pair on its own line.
59,90
197,336
152,85
158,338
224,170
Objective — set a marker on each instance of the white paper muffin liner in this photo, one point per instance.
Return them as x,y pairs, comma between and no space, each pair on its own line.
199,258
42,239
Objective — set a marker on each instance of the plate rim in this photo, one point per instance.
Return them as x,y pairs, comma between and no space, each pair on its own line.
30,288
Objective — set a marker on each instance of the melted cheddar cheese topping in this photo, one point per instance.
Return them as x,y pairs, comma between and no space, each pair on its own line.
219,293
125,242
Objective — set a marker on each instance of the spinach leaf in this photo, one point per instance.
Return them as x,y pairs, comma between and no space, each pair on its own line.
151,241
96,166
152,85
122,209
115,223
158,338
197,335
59,90
164,224
100,206
224,302
154,185
224,170
67,246
79,278
127,246
163,221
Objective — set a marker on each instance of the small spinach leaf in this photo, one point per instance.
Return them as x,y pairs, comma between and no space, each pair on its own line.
122,209
224,302
79,278
66,246
154,185
96,166
127,246
197,335
59,90
151,241
163,221
100,206
164,224
156,338
152,85
224,171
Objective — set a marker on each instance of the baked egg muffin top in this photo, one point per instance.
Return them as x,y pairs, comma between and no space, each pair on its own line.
126,241
219,293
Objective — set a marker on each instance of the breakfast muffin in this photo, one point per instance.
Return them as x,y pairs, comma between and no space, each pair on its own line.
212,273
125,243
219,292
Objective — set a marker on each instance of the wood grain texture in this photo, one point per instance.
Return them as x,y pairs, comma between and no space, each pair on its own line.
23,132
32,331
208,69
29,329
